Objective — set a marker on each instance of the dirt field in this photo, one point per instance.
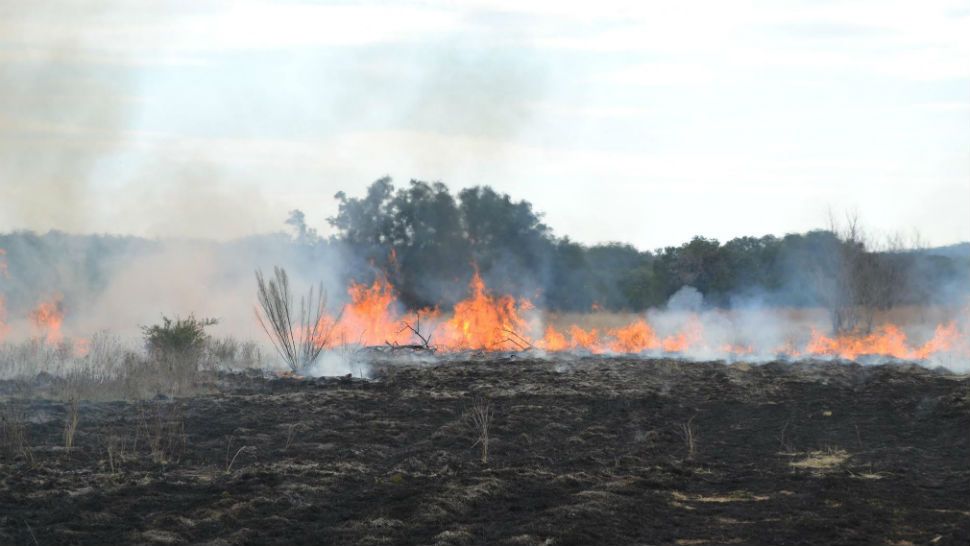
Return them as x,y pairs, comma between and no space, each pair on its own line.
591,451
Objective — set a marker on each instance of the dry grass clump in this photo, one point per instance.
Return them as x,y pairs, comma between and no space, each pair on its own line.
71,420
109,369
14,440
480,416
163,427
30,357
821,460
689,435
229,353
116,450
230,458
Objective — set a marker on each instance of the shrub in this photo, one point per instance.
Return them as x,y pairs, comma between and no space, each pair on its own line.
299,339
179,336
176,347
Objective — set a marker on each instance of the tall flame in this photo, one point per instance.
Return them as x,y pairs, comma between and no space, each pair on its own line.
484,321
370,317
48,317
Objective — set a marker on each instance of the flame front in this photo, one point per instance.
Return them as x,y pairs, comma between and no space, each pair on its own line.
370,317
485,321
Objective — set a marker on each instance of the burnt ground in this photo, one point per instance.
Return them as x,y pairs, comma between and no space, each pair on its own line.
591,451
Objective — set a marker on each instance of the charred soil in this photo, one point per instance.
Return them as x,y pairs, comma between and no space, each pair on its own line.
585,451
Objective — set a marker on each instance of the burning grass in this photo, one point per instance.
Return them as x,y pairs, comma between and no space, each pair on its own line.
487,322
482,322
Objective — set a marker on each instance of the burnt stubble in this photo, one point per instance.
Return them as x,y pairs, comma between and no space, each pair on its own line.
580,451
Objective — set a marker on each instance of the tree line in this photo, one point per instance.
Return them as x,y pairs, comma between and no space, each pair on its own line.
429,241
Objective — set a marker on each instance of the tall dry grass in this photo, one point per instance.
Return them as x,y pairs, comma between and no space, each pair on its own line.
111,369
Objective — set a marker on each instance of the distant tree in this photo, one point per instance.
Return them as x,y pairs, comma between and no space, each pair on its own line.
611,265
430,248
642,288
365,222
507,238
571,278
304,234
750,264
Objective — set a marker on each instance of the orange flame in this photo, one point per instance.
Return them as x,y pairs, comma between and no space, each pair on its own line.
554,340
634,338
48,318
484,321
888,340
491,322
370,317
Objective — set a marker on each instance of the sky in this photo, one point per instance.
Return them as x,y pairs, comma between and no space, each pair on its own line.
641,122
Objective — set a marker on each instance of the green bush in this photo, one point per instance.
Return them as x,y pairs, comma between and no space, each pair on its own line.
176,349
182,337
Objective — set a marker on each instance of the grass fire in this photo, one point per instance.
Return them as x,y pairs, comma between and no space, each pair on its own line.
691,275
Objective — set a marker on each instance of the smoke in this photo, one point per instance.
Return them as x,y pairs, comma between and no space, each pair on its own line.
686,300
69,107
120,285
57,120
340,362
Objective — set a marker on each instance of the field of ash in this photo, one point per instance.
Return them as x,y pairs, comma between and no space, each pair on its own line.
502,450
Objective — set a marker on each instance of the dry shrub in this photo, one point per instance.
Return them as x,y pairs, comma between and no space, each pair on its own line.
298,339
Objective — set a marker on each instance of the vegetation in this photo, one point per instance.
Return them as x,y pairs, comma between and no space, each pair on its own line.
176,349
182,337
299,340
427,238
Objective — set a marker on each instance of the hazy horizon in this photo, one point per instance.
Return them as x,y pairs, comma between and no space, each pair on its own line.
876,240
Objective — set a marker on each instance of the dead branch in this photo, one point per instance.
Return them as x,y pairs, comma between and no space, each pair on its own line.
516,339
425,341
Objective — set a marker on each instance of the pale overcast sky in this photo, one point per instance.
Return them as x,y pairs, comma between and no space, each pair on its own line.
643,122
